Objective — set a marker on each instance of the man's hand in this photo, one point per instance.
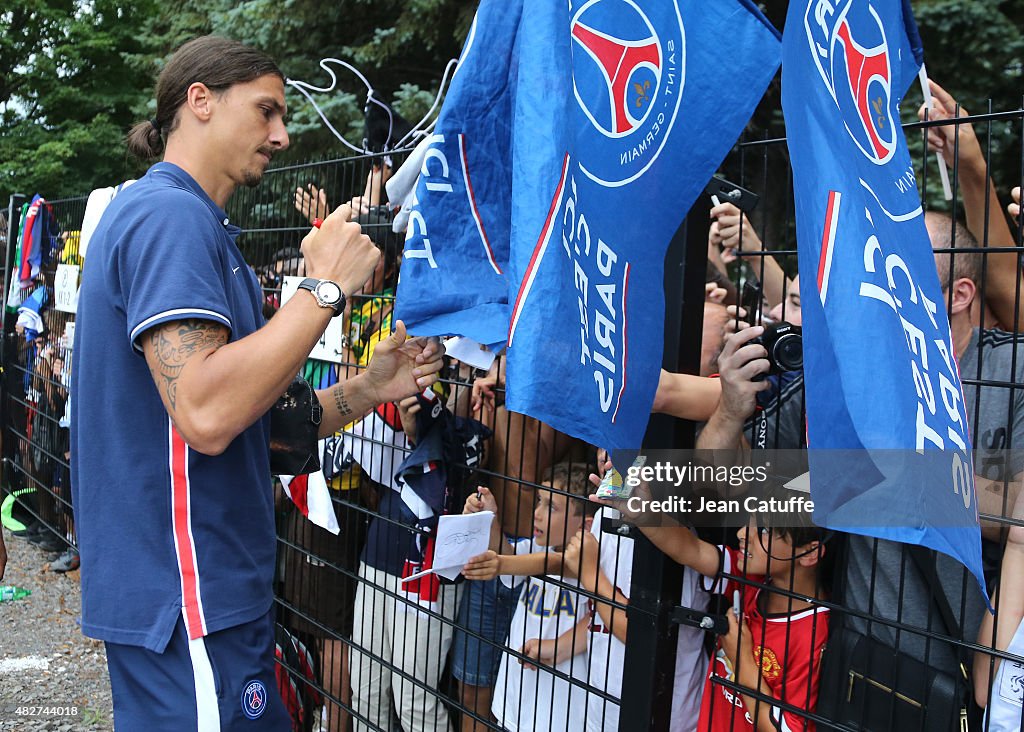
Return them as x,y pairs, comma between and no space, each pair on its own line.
485,502
1014,208
402,366
340,251
942,138
739,363
484,566
311,202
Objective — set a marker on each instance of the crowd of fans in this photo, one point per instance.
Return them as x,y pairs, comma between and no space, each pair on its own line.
532,635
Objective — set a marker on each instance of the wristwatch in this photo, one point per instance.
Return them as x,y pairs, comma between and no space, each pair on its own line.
328,294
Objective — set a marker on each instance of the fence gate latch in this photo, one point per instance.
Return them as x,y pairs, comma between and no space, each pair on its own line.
717,624
619,527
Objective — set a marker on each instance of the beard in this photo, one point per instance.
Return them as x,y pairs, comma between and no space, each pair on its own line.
251,178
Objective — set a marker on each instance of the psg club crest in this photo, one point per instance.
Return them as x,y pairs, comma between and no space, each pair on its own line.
628,70
849,47
254,699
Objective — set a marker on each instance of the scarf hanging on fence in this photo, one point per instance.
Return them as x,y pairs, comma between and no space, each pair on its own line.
37,239
15,291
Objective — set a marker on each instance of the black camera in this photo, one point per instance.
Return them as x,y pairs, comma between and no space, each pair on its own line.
785,346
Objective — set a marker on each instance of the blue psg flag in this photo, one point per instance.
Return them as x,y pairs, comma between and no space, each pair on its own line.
890,452
624,110
453,279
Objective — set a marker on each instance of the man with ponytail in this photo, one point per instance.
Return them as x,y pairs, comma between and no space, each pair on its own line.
175,372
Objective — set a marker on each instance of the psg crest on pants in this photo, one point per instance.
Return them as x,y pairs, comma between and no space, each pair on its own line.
254,699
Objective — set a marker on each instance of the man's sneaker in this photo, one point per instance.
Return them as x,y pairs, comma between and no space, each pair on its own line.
68,562
48,542
33,529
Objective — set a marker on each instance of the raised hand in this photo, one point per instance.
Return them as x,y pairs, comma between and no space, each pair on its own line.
311,202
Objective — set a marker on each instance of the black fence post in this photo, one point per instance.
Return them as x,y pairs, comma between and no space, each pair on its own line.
657,583
13,222
8,320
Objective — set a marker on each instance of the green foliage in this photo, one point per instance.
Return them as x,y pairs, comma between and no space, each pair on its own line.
974,50
76,74
78,83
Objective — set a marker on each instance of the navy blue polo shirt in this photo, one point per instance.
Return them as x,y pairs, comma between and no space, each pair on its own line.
163,530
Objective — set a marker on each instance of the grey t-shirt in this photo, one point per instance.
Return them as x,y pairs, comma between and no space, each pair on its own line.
995,411
882,578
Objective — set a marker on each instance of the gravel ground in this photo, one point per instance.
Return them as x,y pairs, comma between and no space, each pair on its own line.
45,661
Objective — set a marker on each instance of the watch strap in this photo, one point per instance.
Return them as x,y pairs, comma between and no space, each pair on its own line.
311,283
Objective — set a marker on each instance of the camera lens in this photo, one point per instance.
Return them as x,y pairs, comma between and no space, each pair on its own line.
788,352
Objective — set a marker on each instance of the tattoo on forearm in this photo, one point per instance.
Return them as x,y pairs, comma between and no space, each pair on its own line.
340,402
174,344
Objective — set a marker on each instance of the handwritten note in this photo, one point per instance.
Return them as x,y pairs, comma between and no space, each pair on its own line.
459,538
65,288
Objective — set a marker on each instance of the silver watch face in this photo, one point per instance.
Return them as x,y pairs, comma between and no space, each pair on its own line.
328,292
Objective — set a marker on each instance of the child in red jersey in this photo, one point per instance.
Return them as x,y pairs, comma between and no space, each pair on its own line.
774,644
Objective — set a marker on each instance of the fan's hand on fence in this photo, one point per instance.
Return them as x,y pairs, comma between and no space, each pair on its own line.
738,640
1014,207
311,202
715,294
360,205
729,222
484,387
579,559
408,408
541,651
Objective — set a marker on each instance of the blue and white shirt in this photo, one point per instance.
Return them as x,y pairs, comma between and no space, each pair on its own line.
163,530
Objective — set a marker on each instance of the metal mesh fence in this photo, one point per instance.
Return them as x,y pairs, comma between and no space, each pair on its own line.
583,622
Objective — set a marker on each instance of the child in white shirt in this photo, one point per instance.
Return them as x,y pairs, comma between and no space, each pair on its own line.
550,623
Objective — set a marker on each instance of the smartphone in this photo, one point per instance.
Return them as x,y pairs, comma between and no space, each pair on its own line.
727,192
